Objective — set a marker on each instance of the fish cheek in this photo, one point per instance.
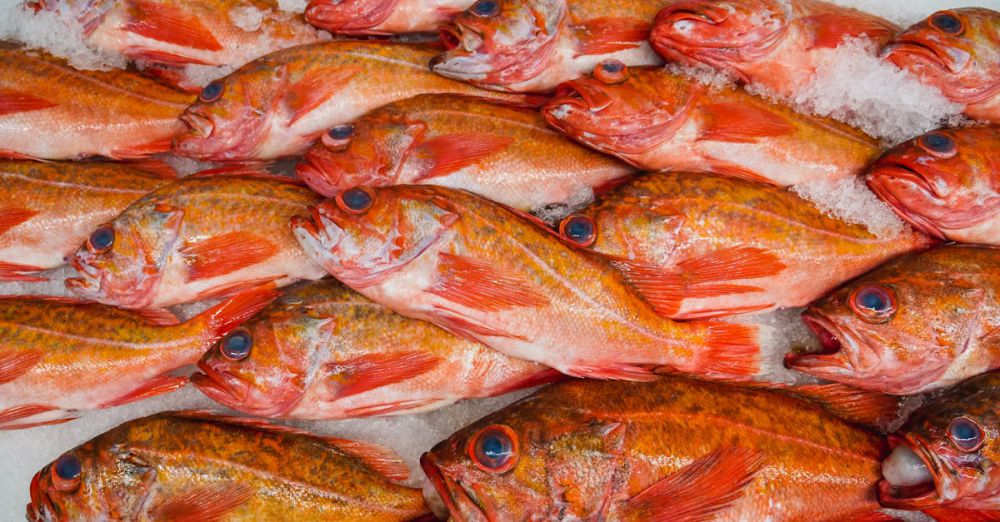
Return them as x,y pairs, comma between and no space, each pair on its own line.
583,467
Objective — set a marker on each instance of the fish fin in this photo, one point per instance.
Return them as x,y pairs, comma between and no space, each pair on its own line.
696,492
158,316
453,152
539,378
736,171
12,101
156,167
162,58
368,372
9,154
609,34
469,330
315,88
707,313
830,29
610,185
209,503
850,403
616,372
230,313
482,286
731,351
962,515
12,217
10,416
165,23
16,364
151,388
22,273
226,253
742,123
389,408
872,516
142,150
252,171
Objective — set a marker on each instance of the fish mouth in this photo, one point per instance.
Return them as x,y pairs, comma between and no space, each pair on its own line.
915,472
323,177
583,94
460,503
828,358
462,60
897,183
349,17
221,386
198,126
40,509
693,11
923,51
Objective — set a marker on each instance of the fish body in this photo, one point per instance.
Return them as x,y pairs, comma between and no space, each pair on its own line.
698,245
382,17
503,153
323,351
48,209
534,45
196,466
49,110
775,44
945,183
278,105
673,449
957,51
492,274
658,120
59,357
916,324
201,237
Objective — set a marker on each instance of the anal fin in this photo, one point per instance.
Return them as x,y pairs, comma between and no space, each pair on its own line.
14,364
207,503
151,388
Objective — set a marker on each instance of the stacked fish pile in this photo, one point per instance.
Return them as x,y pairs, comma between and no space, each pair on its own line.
530,197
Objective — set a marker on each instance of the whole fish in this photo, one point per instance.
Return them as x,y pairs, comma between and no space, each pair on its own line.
323,351
280,104
506,154
201,237
495,275
196,466
945,183
49,110
380,17
698,245
674,449
775,44
534,45
59,356
957,51
48,209
945,457
919,323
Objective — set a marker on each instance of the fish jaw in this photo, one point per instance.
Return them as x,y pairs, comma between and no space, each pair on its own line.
905,189
350,16
837,360
93,284
918,496
211,139
458,501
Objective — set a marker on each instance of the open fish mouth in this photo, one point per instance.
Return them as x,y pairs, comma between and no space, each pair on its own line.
222,387
897,184
461,60
695,12
924,52
458,501
198,126
829,355
909,477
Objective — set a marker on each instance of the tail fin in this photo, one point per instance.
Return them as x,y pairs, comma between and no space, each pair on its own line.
731,351
232,312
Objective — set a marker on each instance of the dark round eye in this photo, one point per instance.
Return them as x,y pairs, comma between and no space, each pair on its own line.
494,449
66,473
355,200
579,229
965,434
947,23
211,92
938,144
102,239
611,71
486,8
873,303
341,132
236,346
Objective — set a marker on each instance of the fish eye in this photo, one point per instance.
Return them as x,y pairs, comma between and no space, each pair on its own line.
66,473
339,137
101,240
236,346
494,449
611,71
486,8
947,23
356,200
211,92
938,144
581,230
873,303
965,434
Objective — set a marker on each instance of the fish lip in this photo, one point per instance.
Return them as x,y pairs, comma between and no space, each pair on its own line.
919,49
449,65
713,15
441,482
582,95
332,15
921,497
828,358
198,126
221,382
902,173
40,508
310,171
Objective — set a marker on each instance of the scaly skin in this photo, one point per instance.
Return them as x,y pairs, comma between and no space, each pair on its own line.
585,448
115,114
382,17
527,166
263,472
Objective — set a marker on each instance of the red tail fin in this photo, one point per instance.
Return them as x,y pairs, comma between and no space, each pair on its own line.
230,313
732,351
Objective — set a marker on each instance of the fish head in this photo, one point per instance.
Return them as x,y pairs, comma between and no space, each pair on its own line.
627,227
719,33
956,50
947,454
943,180
349,16
364,234
496,43
121,262
622,110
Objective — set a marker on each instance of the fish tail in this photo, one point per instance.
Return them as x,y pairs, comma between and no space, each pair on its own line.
232,312
731,350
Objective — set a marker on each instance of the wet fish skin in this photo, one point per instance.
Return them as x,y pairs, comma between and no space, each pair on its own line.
382,17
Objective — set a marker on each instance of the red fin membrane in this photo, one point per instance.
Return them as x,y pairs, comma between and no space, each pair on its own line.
389,408
166,23
209,503
151,388
607,35
15,101
16,364
154,167
12,217
479,285
142,150
230,313
616,372
22,273
159,316
853,404
383,460
469,330
537,379
10,416
732,351
456,151
164,59
830,29
368,372
315,88
740,123
963,515
226,253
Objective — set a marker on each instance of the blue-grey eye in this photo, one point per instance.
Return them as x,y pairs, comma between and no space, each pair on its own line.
68,467
965,434
939,144
579,229
355,200
494,449
102,239
211,92
486,8
873,303
947,23
341,132
236,346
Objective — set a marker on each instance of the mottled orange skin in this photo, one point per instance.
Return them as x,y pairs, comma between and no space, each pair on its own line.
94,113
664,220
658,120
964,66
132,470
533,167
946,327
585,448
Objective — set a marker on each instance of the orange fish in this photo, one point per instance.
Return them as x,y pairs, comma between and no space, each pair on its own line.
917,324
322,351
957,51
382,17
672,450
202,237
534,45
498,276
50,110
945,183
187,466
48,209
506,154
698,245
59,356
657,120
280,104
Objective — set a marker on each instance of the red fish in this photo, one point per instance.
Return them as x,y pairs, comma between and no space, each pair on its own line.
382,16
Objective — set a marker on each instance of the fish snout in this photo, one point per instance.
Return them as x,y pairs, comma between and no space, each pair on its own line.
199,126
682,17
